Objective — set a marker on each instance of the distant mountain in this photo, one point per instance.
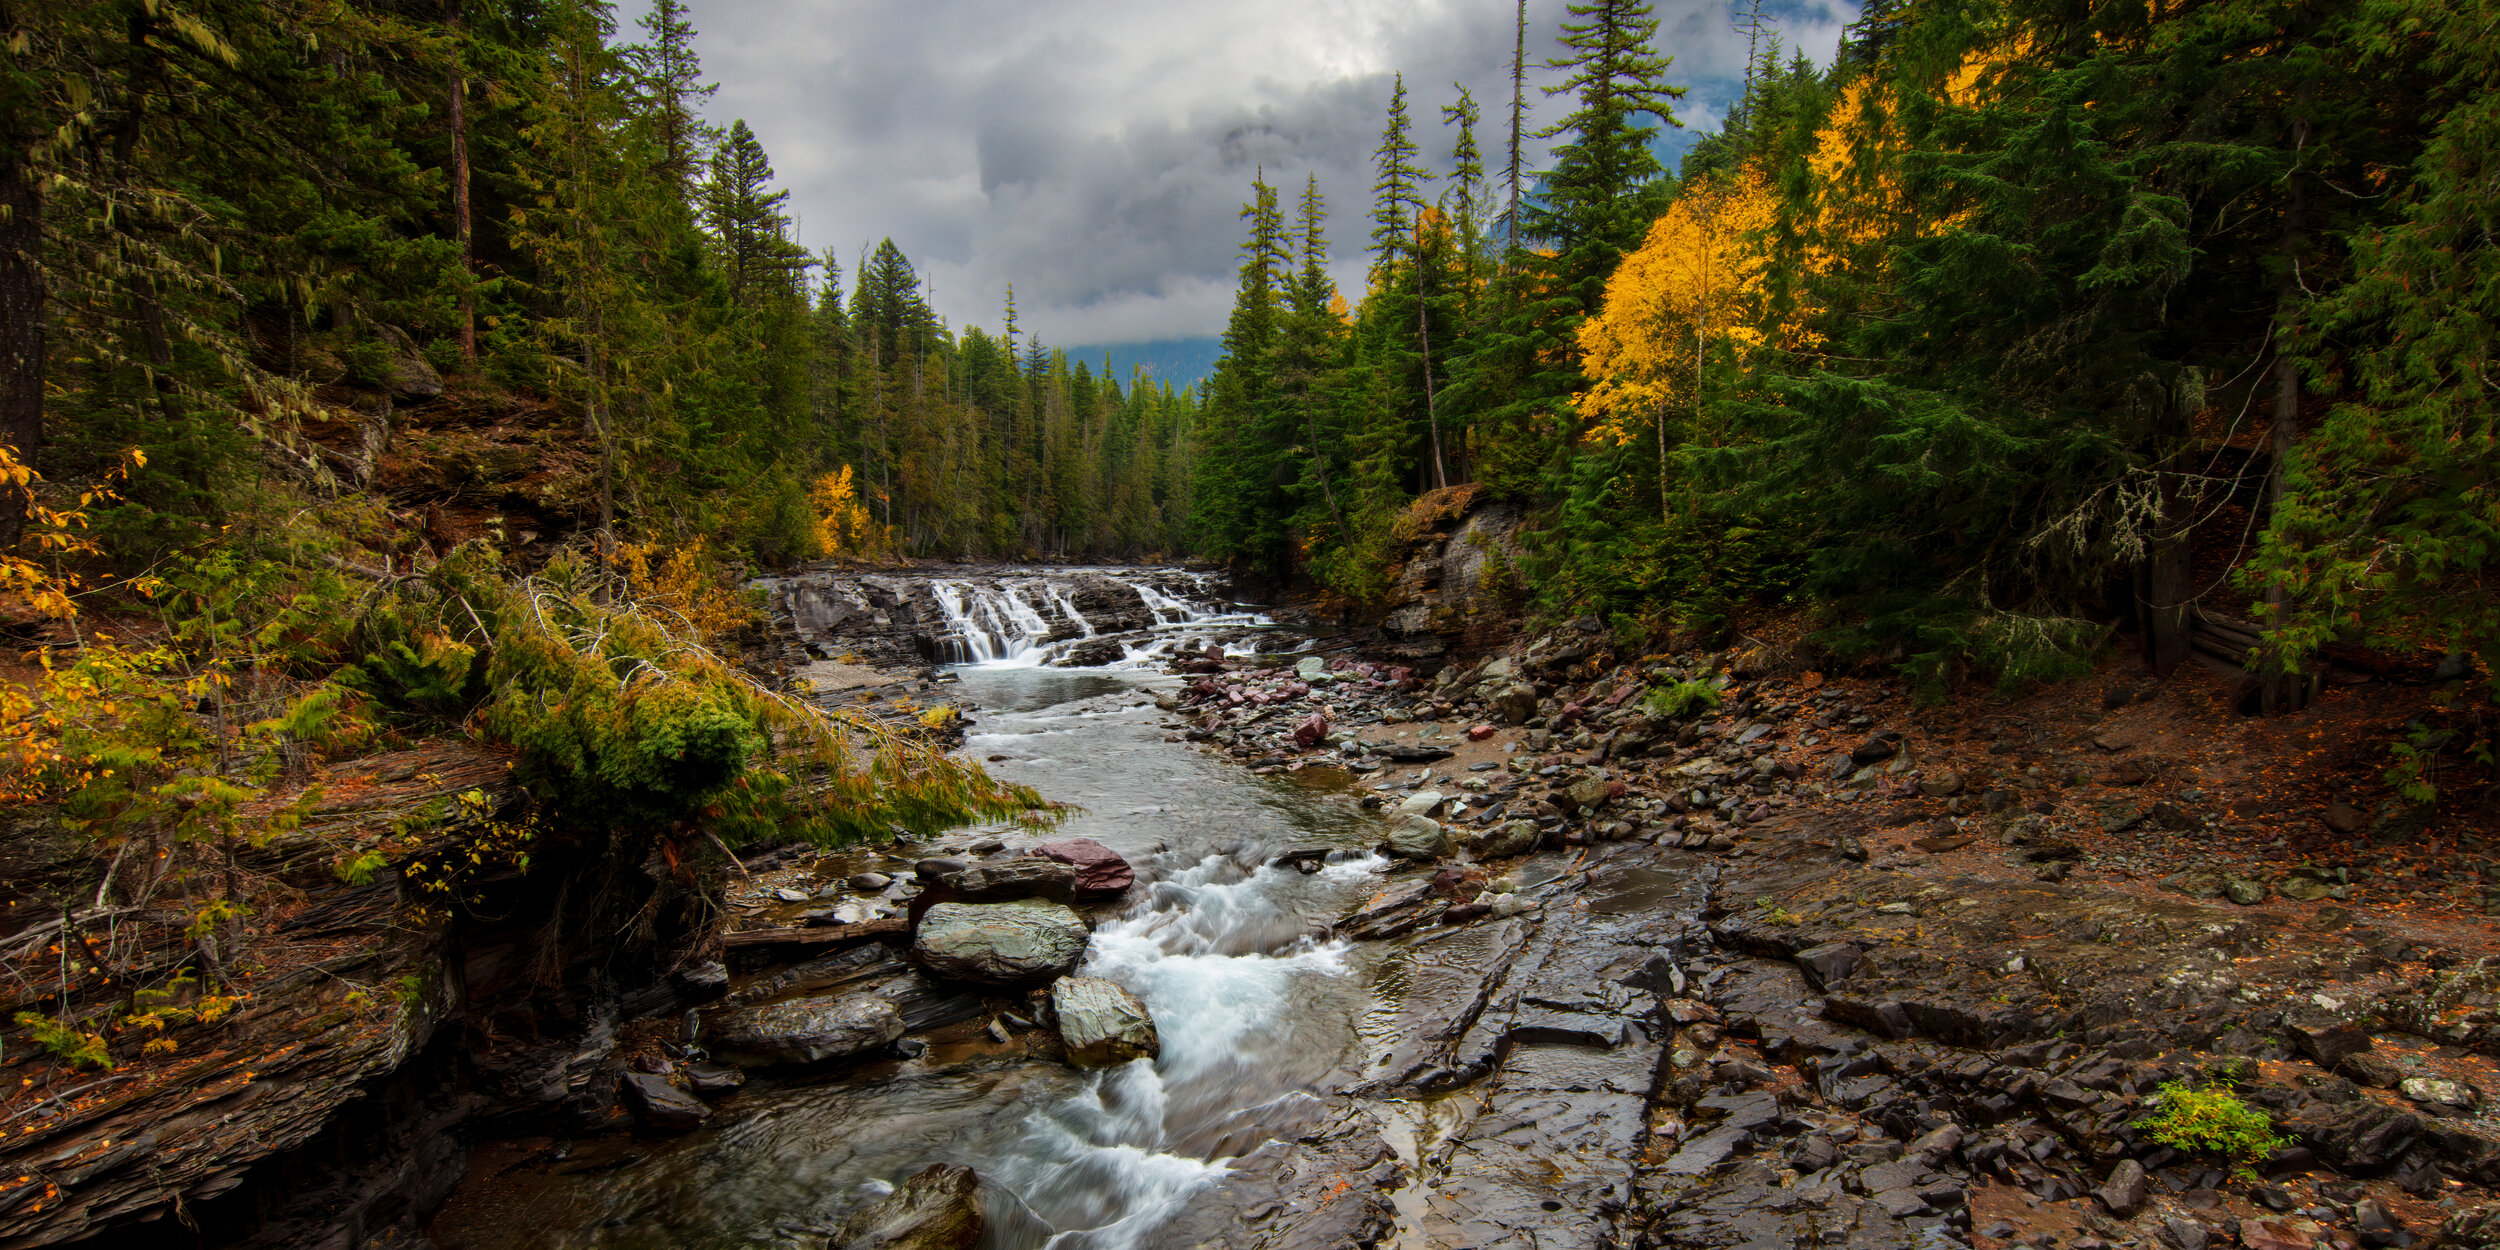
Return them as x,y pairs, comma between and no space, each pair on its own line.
1181,362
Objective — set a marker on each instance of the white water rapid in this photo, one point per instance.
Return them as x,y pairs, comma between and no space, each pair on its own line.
1029,621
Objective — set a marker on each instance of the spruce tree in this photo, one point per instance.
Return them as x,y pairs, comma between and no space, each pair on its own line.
744,216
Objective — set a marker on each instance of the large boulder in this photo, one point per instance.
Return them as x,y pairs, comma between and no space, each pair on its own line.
1099,870
1417,837
1000,943
803,1030
939,1208
1025,876
1102,1023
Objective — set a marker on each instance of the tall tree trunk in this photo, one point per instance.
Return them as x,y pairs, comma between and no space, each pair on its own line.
2278,690
460,211
21,321
2165,583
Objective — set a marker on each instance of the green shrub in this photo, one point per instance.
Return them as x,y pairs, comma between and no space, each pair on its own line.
2212,1119
1684,698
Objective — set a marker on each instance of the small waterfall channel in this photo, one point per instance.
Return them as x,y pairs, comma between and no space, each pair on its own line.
1260,1012
1066,617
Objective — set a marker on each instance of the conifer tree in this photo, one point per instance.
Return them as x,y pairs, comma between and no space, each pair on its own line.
745,218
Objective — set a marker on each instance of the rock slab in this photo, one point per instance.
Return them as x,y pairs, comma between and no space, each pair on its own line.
1000,943
1025,876
804,1030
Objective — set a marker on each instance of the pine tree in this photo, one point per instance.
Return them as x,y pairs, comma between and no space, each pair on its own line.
672,84
746,222
1397,183
1593,207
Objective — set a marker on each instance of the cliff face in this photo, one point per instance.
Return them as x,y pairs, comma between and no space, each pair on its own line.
372,1020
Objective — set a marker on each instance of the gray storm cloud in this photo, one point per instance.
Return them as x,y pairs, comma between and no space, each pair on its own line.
1096,153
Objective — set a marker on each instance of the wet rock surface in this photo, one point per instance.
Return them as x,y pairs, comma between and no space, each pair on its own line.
1101,1022
936,1209
1000,943
804,1030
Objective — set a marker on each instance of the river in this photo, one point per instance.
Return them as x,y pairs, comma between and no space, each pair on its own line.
1258,1009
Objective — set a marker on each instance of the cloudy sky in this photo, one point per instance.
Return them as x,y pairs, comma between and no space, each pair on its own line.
1096,153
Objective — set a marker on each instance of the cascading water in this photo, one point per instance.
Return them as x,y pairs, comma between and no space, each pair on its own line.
1022,622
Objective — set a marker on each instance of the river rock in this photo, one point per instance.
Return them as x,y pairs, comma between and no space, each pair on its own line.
1024,876
939,1208
711,1080
1000,943
1099,870
1422,803
804,1030
1312,729
2123,1193
1511,837
1096,653
2438,1090
1516,702
1417,837
1102,1023
660,1105
1585,795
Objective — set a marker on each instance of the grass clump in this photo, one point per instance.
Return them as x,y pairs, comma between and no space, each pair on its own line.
1682,699
2212,1119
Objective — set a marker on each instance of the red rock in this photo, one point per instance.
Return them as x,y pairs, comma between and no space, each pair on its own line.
1480,733
1099,869
1313,728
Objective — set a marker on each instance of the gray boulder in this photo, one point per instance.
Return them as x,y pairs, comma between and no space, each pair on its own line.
803,1030
1511,837
1026,876
1102,1023
1417,837
939,1208
1000,943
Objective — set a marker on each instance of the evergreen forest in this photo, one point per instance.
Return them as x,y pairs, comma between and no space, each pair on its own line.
2019,326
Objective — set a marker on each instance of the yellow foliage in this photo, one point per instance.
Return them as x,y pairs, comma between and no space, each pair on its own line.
684,585
844,530
1698,272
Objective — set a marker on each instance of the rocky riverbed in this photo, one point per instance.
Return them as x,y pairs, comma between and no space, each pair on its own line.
1702,950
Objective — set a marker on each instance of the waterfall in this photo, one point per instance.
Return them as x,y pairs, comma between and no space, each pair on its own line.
1008,622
